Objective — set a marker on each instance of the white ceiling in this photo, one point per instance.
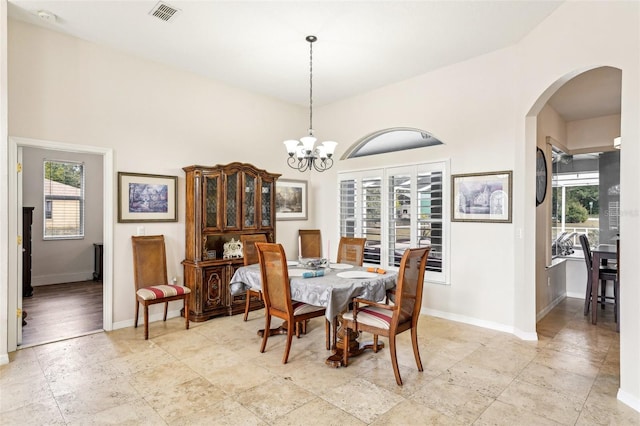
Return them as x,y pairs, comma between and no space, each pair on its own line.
260,45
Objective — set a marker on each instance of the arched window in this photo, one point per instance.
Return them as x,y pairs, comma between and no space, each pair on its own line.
392,140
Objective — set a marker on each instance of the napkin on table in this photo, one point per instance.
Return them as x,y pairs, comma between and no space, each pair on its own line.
376,270
311,274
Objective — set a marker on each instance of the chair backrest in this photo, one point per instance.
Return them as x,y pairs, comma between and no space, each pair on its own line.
250,253
351,251
149,260
310,243
586,249
410,283
275,279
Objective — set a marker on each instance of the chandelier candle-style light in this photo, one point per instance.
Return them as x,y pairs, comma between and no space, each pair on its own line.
303,154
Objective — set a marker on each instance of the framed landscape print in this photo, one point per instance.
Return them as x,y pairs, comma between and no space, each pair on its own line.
147,198
291,199
481,197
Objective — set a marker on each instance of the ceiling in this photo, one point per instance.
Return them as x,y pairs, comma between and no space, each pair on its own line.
260,45
595,93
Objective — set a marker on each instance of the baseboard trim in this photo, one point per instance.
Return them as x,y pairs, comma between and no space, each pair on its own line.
75,277
628,399
550,306
4,359
468,320
152,318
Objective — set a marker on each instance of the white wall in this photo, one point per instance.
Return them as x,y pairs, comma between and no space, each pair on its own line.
483,110
157,120
478,108
59,261
4,178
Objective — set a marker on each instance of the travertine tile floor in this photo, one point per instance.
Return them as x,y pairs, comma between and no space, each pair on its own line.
215,374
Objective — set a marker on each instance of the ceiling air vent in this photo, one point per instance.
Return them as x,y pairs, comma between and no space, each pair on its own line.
164,12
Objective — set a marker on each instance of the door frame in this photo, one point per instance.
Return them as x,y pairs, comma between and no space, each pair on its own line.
15,210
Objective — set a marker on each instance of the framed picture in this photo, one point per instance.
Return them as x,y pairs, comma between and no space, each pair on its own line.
147,198
291,199
481,197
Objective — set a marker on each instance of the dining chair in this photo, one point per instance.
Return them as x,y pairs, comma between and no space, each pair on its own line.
250,255
276,293
310,243
605,274
389,320
351,251
150,277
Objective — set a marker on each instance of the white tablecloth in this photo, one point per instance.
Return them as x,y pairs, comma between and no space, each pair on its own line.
330,291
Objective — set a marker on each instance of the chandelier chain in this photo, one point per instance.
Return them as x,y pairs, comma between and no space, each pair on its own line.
310,87
303,155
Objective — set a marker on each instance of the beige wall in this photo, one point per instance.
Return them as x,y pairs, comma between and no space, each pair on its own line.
159,119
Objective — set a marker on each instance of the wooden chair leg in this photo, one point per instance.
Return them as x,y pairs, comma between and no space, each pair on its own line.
334,332
416,351
287,348
394,359
587,297
265,335
186,312
135,324
166,308
146,322
327,334
345,350
246,305
375,343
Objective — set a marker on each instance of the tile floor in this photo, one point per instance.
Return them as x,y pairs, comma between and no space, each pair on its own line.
215,374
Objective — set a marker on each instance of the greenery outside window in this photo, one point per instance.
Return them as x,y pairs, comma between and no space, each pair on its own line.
63,200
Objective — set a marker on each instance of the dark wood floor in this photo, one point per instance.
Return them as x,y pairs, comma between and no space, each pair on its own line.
61,311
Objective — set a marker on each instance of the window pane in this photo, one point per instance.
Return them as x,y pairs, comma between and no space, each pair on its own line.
429,217
372,218
63,199
399,217
348,208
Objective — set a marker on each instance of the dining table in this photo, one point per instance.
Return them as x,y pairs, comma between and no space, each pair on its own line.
602,251
334,290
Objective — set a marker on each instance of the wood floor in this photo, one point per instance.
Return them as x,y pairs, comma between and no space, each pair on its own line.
60,311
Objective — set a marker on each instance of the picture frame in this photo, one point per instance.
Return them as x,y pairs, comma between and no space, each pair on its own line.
481,197
147,198
291,199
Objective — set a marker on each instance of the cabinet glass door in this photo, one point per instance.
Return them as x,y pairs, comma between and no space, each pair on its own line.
211,193
232,207
266,201
249,207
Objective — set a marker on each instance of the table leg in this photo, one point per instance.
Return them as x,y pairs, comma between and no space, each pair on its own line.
355,347
595,283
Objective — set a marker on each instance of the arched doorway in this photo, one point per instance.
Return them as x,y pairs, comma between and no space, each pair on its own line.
576,121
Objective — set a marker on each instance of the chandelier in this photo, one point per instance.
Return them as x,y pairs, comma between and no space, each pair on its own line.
303,154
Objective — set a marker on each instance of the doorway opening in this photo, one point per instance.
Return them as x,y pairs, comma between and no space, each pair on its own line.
576,129
103,173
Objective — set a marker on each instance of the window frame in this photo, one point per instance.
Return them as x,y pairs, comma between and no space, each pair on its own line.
48,201
384,173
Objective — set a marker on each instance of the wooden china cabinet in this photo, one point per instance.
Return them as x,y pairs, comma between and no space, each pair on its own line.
223,202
